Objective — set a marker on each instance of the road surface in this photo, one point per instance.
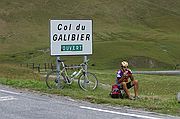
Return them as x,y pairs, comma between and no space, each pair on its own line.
17,104
170,72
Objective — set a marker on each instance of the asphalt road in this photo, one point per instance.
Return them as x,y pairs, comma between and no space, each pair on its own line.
169,72
17,104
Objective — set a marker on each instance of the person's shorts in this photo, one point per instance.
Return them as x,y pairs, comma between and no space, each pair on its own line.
129,85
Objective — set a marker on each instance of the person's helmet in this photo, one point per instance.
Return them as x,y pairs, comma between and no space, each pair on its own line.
124,64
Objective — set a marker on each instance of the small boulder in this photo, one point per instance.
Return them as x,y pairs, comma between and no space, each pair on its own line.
178,97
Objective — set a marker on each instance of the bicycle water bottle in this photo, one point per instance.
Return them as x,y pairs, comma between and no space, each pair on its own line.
73,74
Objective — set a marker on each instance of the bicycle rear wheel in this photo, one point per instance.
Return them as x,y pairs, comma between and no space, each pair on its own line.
52,80
88,81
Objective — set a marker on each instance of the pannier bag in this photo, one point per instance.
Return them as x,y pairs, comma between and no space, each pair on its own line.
115,93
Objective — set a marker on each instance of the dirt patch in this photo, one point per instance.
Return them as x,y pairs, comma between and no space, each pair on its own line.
146,62
142,62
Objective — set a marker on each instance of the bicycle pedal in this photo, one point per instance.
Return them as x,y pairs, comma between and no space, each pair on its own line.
56,81
86,81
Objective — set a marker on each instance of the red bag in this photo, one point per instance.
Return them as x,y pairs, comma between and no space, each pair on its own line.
115,93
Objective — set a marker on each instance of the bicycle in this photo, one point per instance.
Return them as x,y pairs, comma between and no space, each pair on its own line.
58,79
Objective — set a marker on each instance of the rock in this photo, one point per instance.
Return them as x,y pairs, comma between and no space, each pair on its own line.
178,97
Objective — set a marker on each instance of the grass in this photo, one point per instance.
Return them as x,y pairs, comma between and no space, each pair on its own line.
122,30
158,93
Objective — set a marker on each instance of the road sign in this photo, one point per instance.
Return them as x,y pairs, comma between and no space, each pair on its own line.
71,37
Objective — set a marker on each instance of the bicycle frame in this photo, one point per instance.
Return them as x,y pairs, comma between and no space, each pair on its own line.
64,71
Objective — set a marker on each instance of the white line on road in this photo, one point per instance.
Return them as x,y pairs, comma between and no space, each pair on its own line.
10,92
7,98
119,113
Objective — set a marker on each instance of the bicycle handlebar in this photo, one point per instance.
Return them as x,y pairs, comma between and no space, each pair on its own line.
60,60
77,66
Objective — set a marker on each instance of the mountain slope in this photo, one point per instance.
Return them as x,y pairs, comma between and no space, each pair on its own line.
143,30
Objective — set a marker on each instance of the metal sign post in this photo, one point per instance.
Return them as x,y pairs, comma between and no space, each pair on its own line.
85,60
58,70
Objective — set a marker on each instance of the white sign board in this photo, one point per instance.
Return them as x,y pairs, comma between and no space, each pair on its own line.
71,37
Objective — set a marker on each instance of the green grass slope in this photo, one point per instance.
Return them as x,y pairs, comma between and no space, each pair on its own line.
144,32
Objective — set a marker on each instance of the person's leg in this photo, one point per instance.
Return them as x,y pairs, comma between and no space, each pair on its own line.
135,83
125,89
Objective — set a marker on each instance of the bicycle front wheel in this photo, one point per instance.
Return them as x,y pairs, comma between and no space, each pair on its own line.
52,81
88,81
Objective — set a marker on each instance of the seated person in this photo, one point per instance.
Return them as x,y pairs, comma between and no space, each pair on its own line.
123,76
